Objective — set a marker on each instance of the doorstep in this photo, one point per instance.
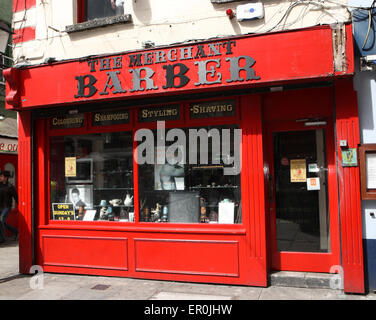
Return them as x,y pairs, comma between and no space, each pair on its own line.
301,279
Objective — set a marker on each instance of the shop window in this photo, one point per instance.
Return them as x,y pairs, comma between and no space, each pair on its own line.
92,177
187,182
95,9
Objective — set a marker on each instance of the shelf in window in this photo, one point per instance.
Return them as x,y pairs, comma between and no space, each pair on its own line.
215,187
217,205
115,172
109,189
120,206
207,167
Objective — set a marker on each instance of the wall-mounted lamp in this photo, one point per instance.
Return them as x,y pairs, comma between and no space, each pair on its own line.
5,31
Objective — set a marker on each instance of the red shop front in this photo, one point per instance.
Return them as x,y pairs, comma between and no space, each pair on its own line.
95,133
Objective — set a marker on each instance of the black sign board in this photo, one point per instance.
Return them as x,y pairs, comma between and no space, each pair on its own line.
110,118
215,109
68,122
163,113
63,211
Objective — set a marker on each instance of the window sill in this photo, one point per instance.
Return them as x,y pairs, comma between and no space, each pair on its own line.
228,229
98,23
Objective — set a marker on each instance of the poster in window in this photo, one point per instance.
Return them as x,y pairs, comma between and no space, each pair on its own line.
168,170
80,196
298,171
70,166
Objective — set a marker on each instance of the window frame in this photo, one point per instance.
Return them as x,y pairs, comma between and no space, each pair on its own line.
364,149
81,16
82,12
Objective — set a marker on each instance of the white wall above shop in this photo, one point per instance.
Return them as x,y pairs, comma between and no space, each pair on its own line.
162,22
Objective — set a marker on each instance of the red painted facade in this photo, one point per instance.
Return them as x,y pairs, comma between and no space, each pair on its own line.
24,34
21,5
232,253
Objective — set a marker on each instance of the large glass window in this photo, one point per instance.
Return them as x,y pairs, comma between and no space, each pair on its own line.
92,177
191,178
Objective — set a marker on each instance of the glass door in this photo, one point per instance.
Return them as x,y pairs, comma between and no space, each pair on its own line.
301,196
300,202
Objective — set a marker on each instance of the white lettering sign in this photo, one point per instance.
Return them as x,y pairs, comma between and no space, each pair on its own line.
8,146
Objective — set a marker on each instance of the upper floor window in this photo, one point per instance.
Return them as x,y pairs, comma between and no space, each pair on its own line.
94,9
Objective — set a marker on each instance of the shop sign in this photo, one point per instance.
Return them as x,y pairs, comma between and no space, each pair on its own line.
212,109
67,122
201,65
349,157
162,113
110,118
8,146
63,211
236,62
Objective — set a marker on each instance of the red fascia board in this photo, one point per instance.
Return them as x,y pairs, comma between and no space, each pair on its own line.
280,57
21,5
24,34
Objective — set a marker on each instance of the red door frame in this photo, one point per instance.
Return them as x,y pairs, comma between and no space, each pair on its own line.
305,261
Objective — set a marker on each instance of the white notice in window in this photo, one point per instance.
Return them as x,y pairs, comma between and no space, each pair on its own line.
371,170
226,212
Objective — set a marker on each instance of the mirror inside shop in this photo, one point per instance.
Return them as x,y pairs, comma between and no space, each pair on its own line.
92,179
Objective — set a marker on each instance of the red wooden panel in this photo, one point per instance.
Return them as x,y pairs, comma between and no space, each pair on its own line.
297,104
349,189
253,189
349,49
41,183
196,257
20,5
24,192
85,252
24,34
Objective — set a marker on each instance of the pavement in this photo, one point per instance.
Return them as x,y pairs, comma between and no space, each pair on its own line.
53,286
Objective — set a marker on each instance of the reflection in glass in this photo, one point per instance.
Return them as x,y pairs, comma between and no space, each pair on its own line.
300,170
100,176
103,8
183,191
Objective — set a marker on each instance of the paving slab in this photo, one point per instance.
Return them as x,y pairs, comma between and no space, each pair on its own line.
57,286
187,296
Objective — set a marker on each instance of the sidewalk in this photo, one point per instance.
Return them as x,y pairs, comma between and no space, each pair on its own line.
15,286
